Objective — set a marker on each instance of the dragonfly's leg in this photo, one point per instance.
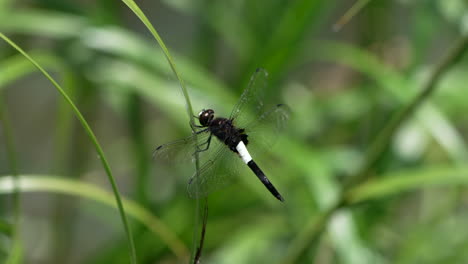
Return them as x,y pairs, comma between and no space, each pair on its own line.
194,125
207,145
201,131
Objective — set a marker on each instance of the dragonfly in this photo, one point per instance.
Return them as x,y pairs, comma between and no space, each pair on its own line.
221,142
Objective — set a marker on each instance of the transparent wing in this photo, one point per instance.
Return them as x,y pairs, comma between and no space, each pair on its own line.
264,130
251,98
181,150
219,170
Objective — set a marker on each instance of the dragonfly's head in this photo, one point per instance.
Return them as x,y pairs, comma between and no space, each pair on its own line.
205,117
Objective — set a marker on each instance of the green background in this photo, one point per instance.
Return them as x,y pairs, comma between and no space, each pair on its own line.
344,89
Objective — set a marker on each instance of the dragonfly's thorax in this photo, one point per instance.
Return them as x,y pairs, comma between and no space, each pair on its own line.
225,131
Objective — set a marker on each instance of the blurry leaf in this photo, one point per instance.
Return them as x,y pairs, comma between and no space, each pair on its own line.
451,91
445,133
223,18
5,227
398,182
18,66
453,10
16,253
420,246
4,6
348,105
282,47
365,62
411,141
245,246
182,5
41,22
464,24
161,92
350,247
62,185
128,46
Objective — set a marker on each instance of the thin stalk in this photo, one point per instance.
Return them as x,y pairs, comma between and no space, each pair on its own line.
355,8
315,228
138,146
15,252
198,252
95,142
134,7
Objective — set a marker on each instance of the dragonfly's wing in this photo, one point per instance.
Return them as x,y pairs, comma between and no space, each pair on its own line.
251,99
264,131
181,150
217,171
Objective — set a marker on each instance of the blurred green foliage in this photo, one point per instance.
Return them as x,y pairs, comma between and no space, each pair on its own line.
343,88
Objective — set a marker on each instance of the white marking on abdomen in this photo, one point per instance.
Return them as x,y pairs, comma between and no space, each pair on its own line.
243,153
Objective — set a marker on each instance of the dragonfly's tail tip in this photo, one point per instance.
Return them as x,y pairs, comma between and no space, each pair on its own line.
279,197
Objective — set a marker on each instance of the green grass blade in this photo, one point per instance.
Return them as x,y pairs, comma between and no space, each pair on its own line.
95,142
42,23
353,11
404,181
15,255
78,188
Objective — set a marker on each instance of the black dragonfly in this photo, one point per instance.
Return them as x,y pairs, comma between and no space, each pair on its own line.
233,135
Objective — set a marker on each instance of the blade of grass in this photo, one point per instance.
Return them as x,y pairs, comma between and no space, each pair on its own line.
403,181
43,23
358,6
15,255
79,188
95,142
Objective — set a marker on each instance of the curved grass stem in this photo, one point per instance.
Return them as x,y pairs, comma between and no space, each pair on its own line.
95,142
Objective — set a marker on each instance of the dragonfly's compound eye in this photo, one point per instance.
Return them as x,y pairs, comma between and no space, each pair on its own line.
205,117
